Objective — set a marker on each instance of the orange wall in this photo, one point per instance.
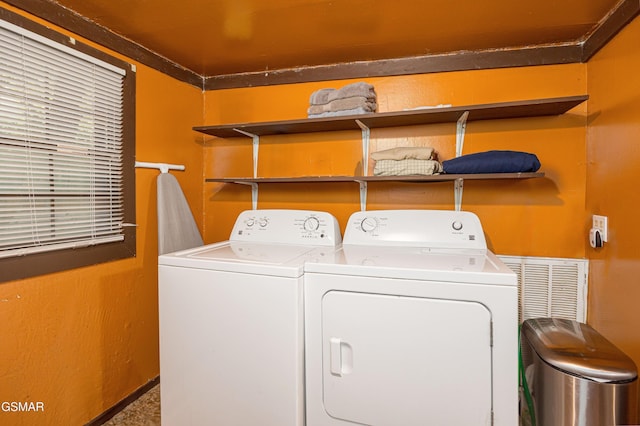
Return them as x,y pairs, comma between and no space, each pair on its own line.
80,341
540,217
613,155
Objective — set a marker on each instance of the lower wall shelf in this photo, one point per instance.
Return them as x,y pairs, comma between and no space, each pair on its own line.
458,179
412,178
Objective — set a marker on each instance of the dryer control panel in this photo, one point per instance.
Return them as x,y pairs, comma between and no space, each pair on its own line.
416,228
300,227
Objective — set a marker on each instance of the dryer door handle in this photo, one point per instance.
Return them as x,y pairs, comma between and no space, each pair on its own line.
340,357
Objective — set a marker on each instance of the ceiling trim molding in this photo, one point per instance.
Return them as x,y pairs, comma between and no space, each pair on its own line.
71,21
458,61
612,24
574,52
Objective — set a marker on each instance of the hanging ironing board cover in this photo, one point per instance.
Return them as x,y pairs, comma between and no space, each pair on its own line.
177,228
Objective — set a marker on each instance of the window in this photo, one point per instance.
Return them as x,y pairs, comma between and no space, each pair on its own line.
66,154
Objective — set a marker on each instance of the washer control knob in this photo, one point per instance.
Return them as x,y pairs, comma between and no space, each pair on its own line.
250,222
456,225
263,222
311,224
369,224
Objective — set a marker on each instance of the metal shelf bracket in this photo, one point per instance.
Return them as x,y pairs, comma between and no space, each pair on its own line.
254,193
366,137
363,195
254,186
461,128
457,192
256,146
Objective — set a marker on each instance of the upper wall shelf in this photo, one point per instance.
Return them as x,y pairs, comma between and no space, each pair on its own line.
493,111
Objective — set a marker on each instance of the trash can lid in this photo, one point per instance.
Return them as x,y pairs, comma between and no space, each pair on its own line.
578,349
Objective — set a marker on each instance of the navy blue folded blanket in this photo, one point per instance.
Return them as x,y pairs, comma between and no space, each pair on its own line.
492,162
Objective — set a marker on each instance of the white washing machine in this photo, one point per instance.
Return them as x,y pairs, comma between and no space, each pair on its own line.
413,323
231,322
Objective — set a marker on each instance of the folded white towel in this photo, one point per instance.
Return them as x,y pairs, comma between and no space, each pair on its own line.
405,152
344,104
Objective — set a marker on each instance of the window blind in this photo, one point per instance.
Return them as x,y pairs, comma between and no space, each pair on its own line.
61,146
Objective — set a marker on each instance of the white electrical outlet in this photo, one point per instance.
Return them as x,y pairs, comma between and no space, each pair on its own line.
601,224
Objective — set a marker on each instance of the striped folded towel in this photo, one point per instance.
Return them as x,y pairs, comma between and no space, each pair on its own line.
406,167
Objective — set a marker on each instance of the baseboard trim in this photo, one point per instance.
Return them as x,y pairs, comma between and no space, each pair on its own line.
107,415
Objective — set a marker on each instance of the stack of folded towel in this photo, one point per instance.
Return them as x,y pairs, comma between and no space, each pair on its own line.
404,161
352,99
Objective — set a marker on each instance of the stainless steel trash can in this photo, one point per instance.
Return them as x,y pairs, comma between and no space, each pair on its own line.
576,376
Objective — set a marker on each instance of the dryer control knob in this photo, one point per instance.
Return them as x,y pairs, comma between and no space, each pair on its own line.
369,224
457,225
311,224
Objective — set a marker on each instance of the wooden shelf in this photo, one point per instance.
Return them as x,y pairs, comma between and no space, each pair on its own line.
493,111
412,178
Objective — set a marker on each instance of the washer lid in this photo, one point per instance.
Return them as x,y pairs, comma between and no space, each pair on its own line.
579,350
251,253
251,258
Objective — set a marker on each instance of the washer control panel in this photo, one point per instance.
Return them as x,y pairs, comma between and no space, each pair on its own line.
301,227
419,228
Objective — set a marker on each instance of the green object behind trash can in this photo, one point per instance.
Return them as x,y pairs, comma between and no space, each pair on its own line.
577,377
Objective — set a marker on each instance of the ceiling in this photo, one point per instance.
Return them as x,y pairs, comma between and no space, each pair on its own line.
222,37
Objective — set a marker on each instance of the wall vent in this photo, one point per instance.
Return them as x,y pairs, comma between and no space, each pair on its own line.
550,287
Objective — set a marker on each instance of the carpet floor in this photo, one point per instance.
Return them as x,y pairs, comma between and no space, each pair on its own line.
144,411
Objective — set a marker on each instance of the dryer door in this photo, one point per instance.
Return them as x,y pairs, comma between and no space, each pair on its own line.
396,360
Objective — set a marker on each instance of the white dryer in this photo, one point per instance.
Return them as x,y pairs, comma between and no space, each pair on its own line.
231,322
414,322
